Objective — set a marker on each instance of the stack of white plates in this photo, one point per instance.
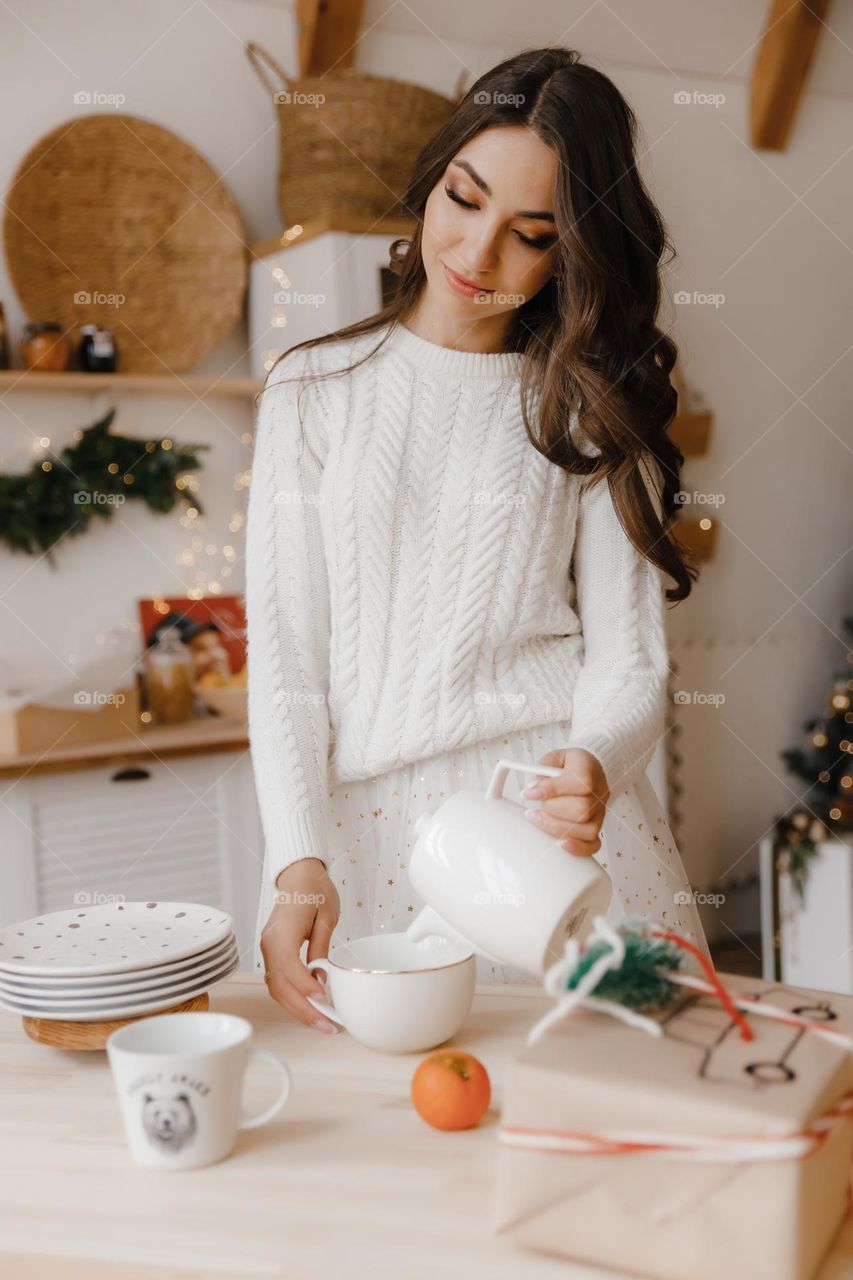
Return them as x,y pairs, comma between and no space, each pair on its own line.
114,960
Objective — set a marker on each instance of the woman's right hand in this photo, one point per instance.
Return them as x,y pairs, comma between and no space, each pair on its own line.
307,906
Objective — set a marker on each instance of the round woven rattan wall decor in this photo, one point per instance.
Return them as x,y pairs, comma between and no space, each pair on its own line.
116,221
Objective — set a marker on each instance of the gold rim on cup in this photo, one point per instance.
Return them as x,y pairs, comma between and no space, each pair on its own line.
428,969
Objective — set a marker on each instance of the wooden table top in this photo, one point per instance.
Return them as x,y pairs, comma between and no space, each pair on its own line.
346,1181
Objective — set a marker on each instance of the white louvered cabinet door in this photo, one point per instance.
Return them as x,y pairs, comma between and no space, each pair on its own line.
180,830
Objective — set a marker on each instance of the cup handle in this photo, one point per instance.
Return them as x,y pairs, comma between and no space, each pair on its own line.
327,1010
252,1122
495,789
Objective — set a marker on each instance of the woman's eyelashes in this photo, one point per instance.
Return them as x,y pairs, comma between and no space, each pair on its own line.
542,243
454,195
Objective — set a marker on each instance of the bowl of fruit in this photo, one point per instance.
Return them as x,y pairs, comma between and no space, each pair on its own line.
224,695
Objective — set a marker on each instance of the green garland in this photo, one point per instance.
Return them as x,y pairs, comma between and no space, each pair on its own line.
795,847
60,494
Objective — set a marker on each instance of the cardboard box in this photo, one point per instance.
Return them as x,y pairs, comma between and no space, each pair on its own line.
655,1213
26,730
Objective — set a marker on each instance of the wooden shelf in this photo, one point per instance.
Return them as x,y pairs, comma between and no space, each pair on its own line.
170,384
692,433
198,736
699,536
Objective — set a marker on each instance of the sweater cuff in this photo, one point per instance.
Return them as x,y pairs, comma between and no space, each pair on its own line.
302,836
621,768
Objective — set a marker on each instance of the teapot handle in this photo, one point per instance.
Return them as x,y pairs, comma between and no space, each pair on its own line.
495,789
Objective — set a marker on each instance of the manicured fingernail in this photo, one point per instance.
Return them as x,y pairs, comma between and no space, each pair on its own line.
533,792
533,815
322,1025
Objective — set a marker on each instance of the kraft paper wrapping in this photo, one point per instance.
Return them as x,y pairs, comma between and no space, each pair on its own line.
650,1214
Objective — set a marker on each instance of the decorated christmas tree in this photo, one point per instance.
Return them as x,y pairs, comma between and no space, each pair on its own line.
826,764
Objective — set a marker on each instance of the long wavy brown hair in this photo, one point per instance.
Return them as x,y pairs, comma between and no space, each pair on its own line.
590,337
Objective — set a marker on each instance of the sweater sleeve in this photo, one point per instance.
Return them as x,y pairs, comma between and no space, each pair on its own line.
287,620
618,712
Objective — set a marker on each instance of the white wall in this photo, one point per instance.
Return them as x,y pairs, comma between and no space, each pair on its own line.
184,69
769,231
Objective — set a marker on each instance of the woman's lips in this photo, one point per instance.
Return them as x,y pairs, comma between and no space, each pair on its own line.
460,285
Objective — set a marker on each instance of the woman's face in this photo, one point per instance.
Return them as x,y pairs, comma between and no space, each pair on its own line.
503,236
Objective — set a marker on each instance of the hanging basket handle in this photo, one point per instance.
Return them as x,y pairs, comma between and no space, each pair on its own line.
459,92
257,55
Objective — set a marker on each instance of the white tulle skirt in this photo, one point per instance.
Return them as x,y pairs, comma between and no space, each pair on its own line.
371,825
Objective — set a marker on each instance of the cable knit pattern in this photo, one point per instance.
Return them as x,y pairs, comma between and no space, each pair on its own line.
420,578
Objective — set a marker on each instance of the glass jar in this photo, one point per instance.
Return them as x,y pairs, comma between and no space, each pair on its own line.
169,679
45,347
97,350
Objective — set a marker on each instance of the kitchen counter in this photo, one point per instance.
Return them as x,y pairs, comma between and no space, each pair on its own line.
346,1181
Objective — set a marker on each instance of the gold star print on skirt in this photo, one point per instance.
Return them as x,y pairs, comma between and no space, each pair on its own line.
371,824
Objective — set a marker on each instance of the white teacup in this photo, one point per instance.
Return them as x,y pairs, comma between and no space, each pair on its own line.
179,1080
397,995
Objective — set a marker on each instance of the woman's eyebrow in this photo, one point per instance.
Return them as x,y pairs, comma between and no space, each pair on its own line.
542,215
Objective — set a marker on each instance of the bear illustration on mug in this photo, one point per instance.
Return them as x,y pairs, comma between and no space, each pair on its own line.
169,1122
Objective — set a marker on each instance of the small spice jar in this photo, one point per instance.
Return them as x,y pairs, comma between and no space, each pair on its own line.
45,347
97,350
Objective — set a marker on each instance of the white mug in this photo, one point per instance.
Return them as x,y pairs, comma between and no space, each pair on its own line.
494,882
396,995
179,1080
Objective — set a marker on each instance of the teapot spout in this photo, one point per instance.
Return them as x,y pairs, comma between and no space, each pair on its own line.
429,924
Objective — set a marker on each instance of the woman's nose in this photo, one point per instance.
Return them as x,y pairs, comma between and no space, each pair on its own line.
481,255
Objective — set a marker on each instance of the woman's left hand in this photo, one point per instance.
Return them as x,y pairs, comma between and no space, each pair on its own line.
572,805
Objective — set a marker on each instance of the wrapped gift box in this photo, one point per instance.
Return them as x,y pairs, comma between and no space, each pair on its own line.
770,1214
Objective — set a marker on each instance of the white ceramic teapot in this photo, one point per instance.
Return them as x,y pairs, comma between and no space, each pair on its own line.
494,882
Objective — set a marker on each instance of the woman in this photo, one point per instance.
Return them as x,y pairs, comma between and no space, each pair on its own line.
458,528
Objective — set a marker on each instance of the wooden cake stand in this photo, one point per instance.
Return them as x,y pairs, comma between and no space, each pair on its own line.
93,1035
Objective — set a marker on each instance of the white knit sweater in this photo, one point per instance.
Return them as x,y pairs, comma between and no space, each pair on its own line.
419,577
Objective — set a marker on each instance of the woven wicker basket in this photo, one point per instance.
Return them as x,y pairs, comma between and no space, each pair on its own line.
111,207
348,141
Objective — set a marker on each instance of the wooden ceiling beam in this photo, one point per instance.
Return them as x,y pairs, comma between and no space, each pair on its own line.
781,69
328,34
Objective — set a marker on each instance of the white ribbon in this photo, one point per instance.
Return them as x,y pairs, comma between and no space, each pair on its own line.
555,979
699,1147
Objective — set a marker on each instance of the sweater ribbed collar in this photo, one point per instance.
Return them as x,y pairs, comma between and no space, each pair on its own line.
469,364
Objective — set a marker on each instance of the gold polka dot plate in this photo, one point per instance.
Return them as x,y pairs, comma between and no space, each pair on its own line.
110,938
